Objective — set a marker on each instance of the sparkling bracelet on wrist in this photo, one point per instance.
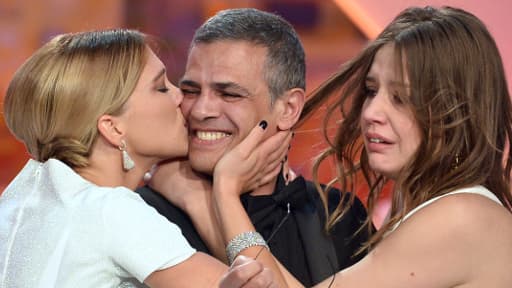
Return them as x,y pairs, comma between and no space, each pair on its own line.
243,241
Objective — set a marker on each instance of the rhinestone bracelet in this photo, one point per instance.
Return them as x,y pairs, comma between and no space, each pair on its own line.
243,241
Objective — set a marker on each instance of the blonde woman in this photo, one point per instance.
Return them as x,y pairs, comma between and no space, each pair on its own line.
96,111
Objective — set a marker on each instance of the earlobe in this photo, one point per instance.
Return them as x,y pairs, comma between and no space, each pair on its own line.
291,106
109,128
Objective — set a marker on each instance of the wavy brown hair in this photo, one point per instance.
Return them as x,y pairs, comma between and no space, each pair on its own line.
459,98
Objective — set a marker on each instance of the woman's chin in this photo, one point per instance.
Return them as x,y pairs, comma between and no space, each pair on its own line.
386,172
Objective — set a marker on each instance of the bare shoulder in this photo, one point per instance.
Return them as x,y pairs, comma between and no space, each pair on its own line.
462,219
461,240
466,230
468,214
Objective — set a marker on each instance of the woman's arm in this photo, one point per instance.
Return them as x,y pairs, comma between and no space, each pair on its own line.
246,268
192,193
201,270
253,162
442,245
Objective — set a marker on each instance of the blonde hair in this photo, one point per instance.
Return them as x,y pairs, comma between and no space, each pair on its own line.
56,97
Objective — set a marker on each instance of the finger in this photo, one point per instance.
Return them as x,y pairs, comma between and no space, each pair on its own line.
277,141
264,156
241,272
271,164
240,260
254,138
277,163
270,175
276,158
270,148
264,177
281,153
263,153
263,279
277,146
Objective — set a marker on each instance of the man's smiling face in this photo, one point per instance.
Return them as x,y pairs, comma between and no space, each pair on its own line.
225,96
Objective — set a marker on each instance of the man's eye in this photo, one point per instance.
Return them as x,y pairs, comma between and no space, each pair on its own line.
190,92
226,94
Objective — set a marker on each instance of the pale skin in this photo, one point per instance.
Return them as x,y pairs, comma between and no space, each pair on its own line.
157,98
462,240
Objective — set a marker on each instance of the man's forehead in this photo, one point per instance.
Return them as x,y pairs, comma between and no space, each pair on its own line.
228,57
227,65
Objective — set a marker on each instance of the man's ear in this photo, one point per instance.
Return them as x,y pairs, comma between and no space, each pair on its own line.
111,129
289,106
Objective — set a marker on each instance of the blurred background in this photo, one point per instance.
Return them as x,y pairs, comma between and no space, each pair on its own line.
332,32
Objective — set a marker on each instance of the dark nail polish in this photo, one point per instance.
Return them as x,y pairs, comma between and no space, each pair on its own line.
263,124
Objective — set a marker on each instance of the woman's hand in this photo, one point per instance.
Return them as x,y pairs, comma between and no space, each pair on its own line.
247,273
176,181
254,162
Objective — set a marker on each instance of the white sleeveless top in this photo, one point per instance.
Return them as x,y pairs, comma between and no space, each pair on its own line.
480,190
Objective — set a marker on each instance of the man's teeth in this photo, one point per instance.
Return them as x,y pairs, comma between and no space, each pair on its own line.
376,140
210,136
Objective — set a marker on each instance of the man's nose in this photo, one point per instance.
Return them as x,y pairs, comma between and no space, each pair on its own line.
206,106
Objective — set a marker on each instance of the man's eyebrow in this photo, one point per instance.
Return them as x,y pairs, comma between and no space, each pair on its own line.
189,83
159,75
231,85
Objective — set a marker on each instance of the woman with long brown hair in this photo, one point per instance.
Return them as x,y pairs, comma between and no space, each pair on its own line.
426,105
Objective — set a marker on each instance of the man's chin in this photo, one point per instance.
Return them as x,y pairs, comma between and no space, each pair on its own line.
203,165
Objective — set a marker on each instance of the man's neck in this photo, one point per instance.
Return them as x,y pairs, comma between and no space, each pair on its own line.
266,189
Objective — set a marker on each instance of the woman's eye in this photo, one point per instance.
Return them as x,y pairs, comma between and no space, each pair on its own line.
397,99
163,90
369,92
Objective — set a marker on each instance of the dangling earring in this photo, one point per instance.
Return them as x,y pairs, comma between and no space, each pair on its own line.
128,163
